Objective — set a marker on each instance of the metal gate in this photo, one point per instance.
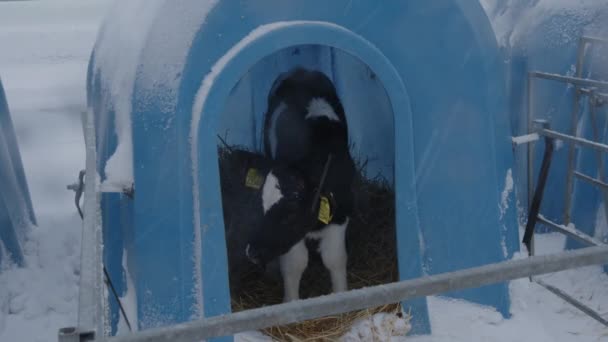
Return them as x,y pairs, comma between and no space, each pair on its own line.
596,93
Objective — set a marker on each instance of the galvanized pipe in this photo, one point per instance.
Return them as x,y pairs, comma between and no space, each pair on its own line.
599,156
582,82
569,138
573,233
91,300
301,310
573,131
573,301
591,180
530,155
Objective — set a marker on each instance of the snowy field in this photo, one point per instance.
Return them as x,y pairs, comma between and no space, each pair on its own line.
44,50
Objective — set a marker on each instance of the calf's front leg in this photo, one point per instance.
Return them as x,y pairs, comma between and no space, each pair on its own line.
333,254
293,263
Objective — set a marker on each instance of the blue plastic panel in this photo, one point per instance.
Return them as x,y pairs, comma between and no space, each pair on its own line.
16,212
550,45
436,90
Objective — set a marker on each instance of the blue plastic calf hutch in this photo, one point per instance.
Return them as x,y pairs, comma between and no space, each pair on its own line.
422,84
561,34
16,212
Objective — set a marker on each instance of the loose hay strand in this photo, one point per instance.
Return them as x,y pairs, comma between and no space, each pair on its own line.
329,328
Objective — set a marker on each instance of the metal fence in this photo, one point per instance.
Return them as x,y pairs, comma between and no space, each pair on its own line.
368,297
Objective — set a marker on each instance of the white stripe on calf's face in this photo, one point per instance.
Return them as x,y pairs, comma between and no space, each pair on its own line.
318,107
271,192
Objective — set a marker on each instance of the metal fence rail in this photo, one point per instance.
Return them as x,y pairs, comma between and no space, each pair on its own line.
91,303
574,140
572,301
578,81
369,297
571,232
591,180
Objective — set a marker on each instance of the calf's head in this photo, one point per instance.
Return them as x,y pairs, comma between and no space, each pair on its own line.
286,201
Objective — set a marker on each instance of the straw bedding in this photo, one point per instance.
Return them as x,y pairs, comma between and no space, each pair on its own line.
370,242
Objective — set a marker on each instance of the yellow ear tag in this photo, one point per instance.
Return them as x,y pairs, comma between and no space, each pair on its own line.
254,179
324,210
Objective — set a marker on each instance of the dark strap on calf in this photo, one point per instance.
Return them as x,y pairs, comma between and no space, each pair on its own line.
315,199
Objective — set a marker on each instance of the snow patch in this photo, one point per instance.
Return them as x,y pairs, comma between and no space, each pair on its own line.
37,300
524,139
538,315
504,197
117,56
119,168
379,327
503,206
503,244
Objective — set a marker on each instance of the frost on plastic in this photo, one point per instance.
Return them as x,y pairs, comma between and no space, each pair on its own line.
514,19
117,54
126,34
504,198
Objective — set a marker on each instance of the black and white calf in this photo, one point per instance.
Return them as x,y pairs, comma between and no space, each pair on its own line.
305,126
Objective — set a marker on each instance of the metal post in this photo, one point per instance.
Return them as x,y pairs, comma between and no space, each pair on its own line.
598,155
300,310
573,127
530,146
91,301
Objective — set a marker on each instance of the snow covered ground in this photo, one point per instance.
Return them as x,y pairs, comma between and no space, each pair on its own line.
44,50
538,315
